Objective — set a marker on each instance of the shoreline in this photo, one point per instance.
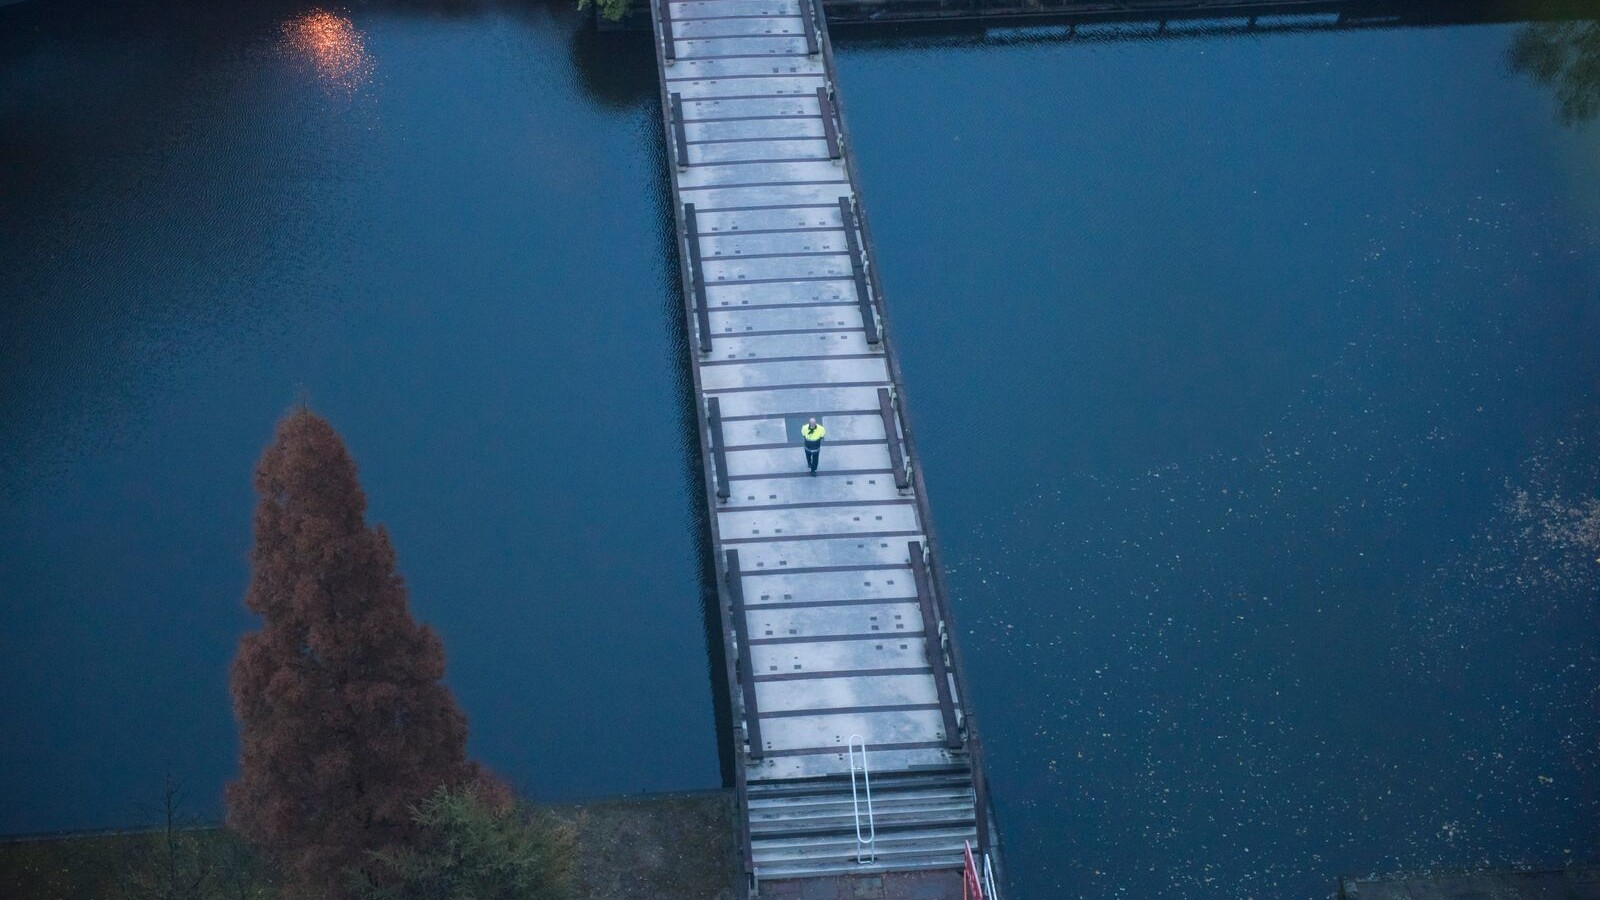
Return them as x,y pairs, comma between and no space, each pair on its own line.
678,845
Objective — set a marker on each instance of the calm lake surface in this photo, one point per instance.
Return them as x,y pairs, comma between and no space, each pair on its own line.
1256,381
1255,377
441,225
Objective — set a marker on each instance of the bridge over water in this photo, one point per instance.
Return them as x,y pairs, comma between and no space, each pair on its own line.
857,751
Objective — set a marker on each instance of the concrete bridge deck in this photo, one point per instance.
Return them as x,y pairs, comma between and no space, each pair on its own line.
835,617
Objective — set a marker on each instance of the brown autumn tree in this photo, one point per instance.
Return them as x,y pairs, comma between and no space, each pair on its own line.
344,724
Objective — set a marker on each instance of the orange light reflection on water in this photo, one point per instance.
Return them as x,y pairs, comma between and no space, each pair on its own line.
333,45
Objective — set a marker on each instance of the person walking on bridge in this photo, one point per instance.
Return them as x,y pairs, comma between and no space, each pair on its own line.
812,431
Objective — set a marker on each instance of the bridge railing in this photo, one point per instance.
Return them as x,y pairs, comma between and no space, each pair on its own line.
1337,13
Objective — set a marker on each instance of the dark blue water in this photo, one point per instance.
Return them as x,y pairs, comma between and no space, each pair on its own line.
1258,385
1255,378
443,227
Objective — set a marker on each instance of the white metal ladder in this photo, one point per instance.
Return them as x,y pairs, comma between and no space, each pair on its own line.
866,844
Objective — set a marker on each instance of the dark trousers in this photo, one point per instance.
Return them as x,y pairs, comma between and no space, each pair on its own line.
811,456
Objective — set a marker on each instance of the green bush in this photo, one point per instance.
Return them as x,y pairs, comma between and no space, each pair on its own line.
474,848
611,9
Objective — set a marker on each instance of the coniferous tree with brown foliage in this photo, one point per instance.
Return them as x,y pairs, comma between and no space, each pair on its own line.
344,724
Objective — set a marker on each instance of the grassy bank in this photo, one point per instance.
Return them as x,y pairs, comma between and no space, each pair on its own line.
646,847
